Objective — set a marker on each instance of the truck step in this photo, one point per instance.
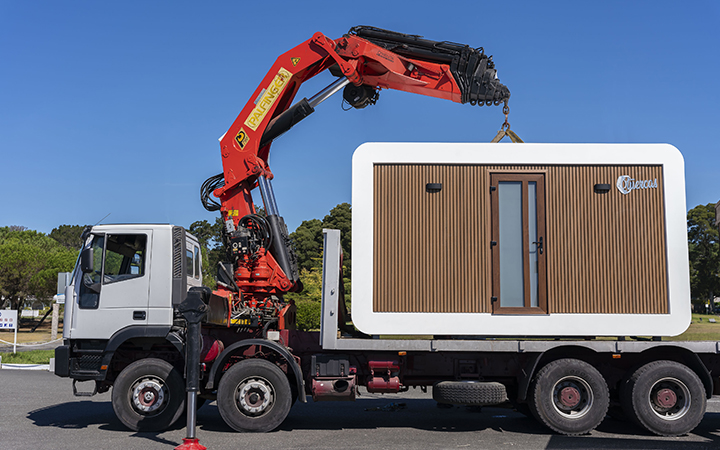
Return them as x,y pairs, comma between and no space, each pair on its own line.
84,394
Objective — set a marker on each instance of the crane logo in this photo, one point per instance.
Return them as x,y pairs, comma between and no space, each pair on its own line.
267,99
626,184
242,138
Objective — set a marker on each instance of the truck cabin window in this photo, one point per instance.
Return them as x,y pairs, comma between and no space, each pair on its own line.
116,257
197,263
89,291
189,264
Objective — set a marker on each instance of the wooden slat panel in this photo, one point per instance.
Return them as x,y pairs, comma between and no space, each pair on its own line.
426,244
605,252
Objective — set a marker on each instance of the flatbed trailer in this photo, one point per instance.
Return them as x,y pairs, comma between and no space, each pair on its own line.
569,384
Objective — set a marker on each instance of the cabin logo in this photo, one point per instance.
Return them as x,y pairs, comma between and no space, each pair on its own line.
625,184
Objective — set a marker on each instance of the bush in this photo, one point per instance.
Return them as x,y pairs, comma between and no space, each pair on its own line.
308,315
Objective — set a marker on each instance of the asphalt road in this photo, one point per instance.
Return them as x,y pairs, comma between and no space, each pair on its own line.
39,411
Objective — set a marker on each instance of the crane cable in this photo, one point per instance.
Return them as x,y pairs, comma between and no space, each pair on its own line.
505,129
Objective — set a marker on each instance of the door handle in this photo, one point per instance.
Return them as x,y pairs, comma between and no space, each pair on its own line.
539,244
138,315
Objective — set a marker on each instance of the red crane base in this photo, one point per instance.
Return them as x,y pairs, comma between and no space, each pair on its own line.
190,444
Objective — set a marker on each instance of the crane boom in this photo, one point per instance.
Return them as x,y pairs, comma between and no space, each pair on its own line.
365,60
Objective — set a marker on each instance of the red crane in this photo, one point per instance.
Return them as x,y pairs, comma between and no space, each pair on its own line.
365,60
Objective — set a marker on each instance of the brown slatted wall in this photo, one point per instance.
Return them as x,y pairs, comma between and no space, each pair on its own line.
605,252
427,246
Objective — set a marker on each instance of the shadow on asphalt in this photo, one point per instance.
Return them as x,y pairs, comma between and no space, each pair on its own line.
80,414
423,414
84,414
420,414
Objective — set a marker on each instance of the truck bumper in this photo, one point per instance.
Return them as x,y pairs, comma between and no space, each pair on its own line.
62,361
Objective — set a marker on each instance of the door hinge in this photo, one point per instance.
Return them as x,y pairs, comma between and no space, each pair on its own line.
493,299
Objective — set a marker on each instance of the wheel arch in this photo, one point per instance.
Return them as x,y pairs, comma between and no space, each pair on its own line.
683,356
140,335
238,348
539,360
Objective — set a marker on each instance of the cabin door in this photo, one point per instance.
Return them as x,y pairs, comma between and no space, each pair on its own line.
519,243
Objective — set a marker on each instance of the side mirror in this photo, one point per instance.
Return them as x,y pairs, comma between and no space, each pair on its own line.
86,260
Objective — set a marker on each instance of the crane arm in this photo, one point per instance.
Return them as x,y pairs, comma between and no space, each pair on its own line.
365,60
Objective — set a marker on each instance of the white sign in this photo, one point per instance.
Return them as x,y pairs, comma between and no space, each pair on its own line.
8,319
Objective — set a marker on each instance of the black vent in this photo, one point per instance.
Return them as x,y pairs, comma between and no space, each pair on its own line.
177,237
88,362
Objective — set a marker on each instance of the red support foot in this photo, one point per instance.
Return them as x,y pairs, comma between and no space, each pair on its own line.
190,444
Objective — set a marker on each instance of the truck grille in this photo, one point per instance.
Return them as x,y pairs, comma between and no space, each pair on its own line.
87,362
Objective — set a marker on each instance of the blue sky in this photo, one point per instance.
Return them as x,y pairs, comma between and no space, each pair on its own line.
116,107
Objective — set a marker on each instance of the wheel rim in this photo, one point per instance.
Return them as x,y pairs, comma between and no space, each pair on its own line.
669,398
254,396
572,397
149,395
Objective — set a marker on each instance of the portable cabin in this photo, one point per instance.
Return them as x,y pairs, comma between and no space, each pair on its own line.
544,240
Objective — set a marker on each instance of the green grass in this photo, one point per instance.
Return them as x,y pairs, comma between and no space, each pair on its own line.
31,357
700,329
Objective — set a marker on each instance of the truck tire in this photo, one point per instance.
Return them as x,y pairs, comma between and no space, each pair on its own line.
149,395
666,398
254,396
569,396
469,393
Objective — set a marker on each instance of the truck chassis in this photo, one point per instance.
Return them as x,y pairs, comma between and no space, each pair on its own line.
569,385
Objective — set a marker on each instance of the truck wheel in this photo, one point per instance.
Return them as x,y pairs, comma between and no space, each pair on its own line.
149,395
569,396
666,397
254,395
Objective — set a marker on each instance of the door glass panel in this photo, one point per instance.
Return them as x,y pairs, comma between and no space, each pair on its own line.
197,262
89,290
510,244
124,257
189,262
533,237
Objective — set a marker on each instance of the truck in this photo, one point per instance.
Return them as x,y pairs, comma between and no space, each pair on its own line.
543,275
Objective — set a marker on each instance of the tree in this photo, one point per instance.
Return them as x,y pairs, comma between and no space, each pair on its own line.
340,218
68,235
308,243
210,237
704,251
29,264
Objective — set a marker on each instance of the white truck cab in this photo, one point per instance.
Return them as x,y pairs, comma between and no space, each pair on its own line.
130,275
